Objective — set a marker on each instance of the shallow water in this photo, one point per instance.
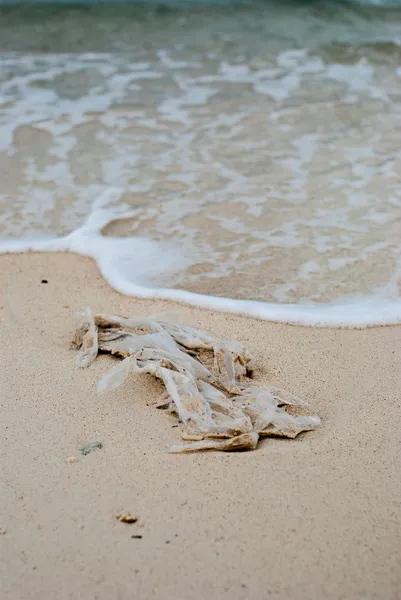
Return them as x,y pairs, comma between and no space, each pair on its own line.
258,146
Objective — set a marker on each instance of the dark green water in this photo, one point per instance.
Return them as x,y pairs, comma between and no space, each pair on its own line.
97,27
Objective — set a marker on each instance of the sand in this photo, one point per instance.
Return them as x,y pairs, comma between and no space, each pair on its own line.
317,517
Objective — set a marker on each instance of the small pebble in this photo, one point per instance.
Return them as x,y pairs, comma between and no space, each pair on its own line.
136,537
90,448
71,459
126,518
44,281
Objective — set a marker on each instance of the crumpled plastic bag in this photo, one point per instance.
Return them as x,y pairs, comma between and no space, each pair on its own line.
220,408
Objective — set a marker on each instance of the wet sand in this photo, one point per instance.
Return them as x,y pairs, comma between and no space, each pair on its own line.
317,517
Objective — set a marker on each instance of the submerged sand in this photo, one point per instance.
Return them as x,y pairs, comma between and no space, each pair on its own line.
316,517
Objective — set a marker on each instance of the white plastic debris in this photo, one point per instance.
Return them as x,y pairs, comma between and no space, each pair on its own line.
220,408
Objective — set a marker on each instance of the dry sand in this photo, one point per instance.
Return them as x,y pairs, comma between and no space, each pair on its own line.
317,517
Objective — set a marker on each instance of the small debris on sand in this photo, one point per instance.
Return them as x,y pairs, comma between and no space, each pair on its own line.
2,531
45,281
90,448
126,518
136,537
72,459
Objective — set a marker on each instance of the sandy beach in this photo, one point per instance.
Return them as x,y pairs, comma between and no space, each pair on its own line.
316,517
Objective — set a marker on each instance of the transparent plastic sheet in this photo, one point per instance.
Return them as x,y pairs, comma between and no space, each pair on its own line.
246,441
86,339
219,408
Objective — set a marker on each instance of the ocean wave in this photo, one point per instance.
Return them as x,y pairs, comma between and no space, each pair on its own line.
215,163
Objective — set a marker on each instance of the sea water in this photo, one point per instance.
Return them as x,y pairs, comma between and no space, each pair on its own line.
238,156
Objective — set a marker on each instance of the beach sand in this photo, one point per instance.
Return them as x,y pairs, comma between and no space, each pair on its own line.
316,517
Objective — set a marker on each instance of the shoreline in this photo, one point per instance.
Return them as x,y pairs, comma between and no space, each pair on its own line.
315,517
353,313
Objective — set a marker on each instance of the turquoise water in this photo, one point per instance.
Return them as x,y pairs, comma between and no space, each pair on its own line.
97,26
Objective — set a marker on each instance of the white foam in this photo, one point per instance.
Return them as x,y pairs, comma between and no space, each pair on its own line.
131,267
